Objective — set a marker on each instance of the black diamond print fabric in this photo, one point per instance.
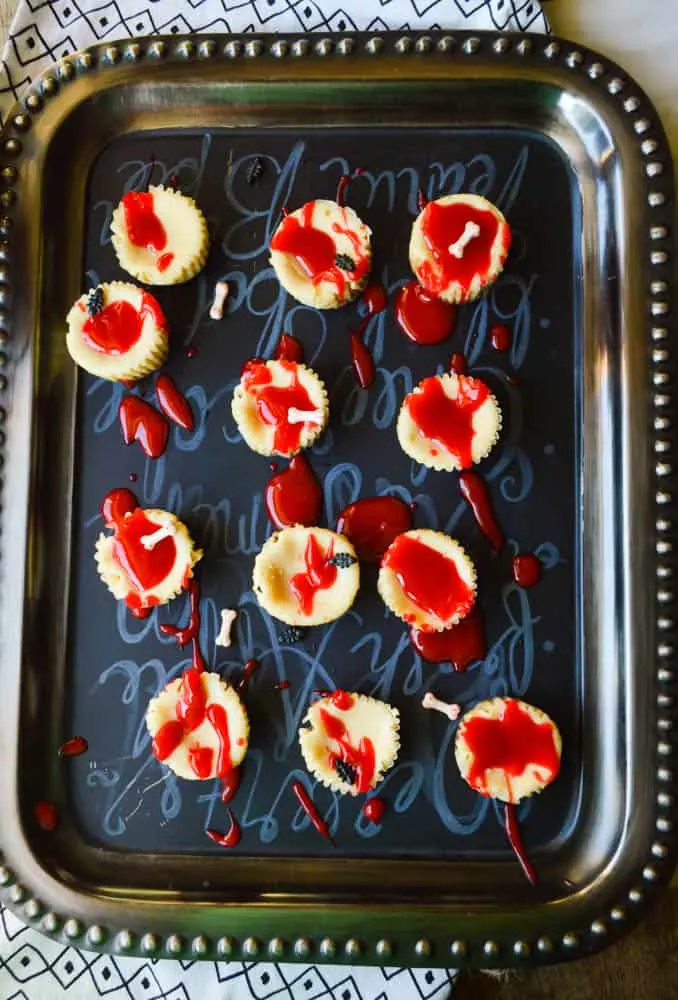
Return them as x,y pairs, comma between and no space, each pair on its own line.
33,967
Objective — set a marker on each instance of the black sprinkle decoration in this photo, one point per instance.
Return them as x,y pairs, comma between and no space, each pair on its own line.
342,560
345,771
344,262
290,636
255,170
95,301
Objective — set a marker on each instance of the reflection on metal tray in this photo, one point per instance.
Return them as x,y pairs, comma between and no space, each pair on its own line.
572,151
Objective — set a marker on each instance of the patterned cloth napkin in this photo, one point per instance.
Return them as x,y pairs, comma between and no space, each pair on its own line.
32,967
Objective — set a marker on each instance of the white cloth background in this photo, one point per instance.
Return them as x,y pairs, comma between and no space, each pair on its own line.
33,967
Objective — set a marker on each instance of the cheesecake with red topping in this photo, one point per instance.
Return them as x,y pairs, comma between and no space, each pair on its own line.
148,556
349,741
160,236
507,749
427,580
117,331
280,407
199,726
449,422
306,576
458,246
322,254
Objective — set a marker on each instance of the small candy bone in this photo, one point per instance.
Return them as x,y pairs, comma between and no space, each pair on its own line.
221,291
297,416
451,711
471,230
164,531
228,616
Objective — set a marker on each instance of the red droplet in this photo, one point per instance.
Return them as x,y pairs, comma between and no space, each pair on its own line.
500,336
167,739
294,496
458,364
362,360
375,299
164,261
423,318
374,809
173,403
441,227
116,505
141,423
526,569
144,228
446,422
191,351
281,685
429,579
74,747
46,815
513,833
343,700
476,494
133,477
372,524
251,666
311,810
512,743
289,349
201,760
229,839
461,645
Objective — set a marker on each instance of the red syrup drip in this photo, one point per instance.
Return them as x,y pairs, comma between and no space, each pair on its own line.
371,525
216,715
448,422
74,747
294,496
315,251
144,228
423,318
173,403
46,816
429,579
340,699
461,645
116,505
374,810
230,784
422,200
343,184
164,261
526,569
476,494
116,328
192,704
273,402
362,361
513,834
251,667
458,364
362,758
281,685
232,836
375,299
311,810
289,349
141,423
500,337
442,226
319,574
511,743
191,631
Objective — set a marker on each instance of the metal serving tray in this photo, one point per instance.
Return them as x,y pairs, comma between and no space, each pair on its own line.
573,151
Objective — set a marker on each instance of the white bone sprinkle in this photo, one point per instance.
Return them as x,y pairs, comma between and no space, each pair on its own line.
451,711
164,531
297,416
221,291
228,616
471,230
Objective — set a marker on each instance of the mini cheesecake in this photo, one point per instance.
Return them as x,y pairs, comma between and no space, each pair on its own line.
160,236
449,422
349,741
149,557
322,254
199,726
458,246
427,580
117,331
280,407
306,576
506,749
